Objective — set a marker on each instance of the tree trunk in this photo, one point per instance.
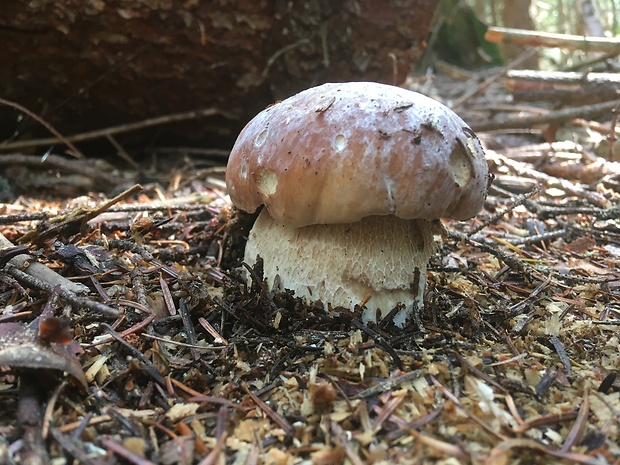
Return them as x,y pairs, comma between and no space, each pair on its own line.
87,65
591,18
516,14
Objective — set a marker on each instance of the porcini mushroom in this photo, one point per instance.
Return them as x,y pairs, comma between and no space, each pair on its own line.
353,178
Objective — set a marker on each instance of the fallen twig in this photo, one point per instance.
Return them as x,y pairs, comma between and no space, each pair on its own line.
29,265
566,114
548,39
271,413
550,181
83,167
68,295
159,120
45,124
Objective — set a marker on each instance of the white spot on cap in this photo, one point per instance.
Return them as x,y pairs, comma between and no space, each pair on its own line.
460,165
340,142
262,136
245,168
267,183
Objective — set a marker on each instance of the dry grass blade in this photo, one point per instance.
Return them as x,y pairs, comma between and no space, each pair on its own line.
443,447
172,310
456,402
341,437
387,411
546,420
214,456
124,452
212,331
479,373
275,416
498,454
576,432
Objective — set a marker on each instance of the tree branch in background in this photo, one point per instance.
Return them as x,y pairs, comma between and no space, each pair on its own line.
585,111
565,87
548,39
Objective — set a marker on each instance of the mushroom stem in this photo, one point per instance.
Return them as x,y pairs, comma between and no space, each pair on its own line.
340,264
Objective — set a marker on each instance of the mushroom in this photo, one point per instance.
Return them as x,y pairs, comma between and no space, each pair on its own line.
353,178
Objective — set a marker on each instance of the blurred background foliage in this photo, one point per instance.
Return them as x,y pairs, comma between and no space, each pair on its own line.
458,35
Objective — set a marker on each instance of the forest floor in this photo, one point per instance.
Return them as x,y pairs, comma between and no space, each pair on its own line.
172,359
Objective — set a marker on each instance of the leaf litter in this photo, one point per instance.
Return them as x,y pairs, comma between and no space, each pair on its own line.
184,363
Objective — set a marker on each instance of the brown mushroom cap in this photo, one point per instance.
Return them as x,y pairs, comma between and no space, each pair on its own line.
340,152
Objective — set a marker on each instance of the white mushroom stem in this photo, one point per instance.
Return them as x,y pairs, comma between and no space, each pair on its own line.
383,257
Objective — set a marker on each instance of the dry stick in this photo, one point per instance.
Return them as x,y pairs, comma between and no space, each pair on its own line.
271,413
75,300
480,242
538,238
388,384
190,332
341,437
175,117
544,211
56,161
26,216
145,363
611,135
514,203
564,358
123,452
79,214
46,125
72,447
50,407
445,448
380,341
213,456
588,63
28,264
547,39
121,152
566,114
549,181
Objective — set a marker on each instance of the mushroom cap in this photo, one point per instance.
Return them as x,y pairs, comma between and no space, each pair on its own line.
340,152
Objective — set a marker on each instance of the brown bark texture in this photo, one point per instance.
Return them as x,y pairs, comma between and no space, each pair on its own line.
516,14
562,87
89,64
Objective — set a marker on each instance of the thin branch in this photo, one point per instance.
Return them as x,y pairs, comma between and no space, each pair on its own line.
566,114
59,137
548,39
122,128
81,166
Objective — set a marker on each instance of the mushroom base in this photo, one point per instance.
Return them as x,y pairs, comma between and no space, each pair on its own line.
381,257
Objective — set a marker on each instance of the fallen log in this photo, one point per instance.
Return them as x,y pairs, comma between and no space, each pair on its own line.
568,88
87,65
